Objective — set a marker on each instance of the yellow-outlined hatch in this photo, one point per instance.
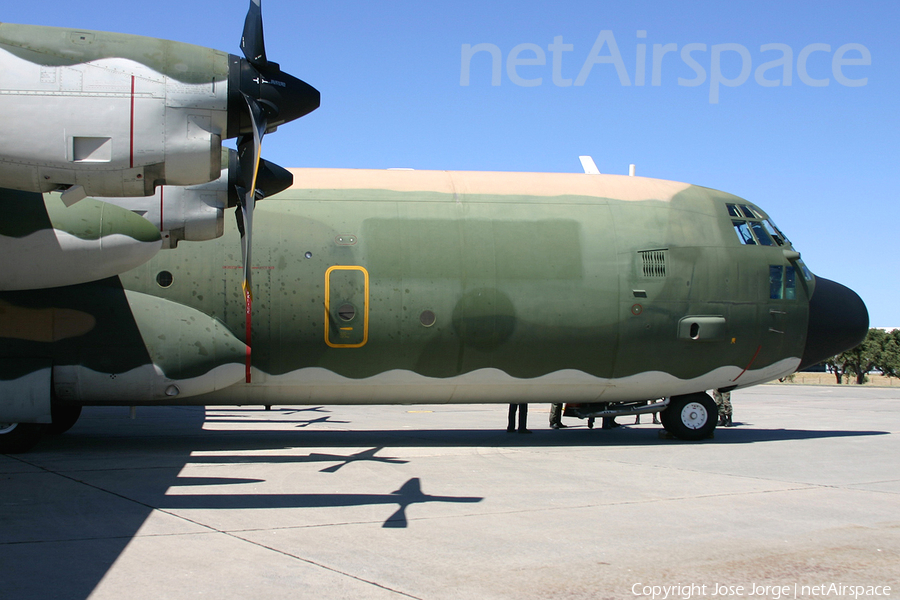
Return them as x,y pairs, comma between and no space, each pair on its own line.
347,320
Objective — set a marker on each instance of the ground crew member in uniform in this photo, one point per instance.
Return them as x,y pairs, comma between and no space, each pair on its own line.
523,418
556,411
723,401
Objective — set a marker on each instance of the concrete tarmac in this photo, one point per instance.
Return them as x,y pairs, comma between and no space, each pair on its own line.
439,502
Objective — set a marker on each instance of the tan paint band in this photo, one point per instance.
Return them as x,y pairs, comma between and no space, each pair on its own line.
618,187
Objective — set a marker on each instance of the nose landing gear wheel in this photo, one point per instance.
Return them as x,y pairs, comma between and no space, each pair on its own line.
692,417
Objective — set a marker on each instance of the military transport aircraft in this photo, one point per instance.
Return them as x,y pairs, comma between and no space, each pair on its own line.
623,294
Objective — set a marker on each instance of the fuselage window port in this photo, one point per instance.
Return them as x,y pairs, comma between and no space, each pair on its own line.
164,279
743,233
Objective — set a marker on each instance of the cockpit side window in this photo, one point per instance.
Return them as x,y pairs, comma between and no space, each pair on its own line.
776,280
761,234
743,232
807,275
733,210
790,283
782,282
776,234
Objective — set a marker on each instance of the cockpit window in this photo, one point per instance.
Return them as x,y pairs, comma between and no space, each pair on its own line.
743,232
761,235
776,234
807,275
753,228
742,211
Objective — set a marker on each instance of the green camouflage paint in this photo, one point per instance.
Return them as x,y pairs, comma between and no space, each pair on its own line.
61,47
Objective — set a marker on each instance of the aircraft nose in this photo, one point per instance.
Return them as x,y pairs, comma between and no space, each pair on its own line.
838,321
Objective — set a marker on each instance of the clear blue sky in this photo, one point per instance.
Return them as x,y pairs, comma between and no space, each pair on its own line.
822,160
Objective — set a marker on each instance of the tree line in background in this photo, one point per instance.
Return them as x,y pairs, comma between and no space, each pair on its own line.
880,351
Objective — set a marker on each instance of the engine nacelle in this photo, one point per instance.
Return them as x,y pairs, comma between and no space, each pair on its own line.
46,245
193,214
115,114
196,213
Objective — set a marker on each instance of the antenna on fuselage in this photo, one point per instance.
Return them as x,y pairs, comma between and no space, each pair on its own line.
590,167
587,163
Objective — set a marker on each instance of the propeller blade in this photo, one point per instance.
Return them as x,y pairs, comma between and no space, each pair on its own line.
253,43
239,215
249,155
246,209
250,162
270,98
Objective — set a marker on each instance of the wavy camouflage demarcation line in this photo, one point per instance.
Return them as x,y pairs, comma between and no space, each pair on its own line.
88,220
45,46
321,386
46,244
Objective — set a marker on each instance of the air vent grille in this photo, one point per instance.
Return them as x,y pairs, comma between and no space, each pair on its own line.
653,262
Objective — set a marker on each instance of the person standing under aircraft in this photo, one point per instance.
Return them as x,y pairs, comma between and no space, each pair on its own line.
637,419
523,418
556,411
723,401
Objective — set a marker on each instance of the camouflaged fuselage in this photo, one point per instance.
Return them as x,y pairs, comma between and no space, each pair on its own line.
436,286
414,286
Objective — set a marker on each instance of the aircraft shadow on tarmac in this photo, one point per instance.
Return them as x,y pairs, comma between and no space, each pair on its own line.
114,473
298,424
189,437
65,554
409,493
